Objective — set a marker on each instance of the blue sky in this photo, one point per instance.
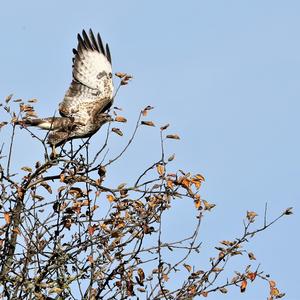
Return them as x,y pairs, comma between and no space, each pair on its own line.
224,74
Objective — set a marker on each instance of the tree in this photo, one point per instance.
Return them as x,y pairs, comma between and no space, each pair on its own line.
67,234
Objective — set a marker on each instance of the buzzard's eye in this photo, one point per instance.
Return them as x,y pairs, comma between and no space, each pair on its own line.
110,75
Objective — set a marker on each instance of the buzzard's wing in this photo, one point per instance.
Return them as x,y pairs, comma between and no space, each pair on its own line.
91,62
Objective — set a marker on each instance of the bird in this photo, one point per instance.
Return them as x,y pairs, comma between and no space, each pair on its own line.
84,108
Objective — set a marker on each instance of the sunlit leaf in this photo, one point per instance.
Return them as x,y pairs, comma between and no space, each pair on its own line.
243,286
120,119
7,217
160,169
117,131
147,123
173,136
110,198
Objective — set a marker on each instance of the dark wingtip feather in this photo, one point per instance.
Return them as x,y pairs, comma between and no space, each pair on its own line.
108,53
81,42
87,40
100,43
94,41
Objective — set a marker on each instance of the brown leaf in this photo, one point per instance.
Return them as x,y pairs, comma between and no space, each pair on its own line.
243,286
8,98
164,127
173,136
33,100
251,215
147,123
188,267
197,203
2,124
165,277
223,290
46,186
91,229
251,256
17,231
146,109
26,169
204,294
252,275
288,211
170,184
110,198
141,274
171,157
117,131
120,74
120,119
160,169
274,292
90,259
208,206
7,217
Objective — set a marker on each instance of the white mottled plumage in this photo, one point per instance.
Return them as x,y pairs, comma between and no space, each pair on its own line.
90,95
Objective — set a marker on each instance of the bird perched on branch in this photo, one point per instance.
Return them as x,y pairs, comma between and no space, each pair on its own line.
84,107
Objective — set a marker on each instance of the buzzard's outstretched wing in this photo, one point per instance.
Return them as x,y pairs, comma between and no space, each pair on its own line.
92,73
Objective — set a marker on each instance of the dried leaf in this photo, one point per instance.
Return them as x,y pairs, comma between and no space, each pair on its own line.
171,157
243,286
141,274
7,217
289,211
8,98
147,123
90,259
170,184
120,119
173,136
223,290
160,169
117,131
165,277
251,256
251,215
272,283
208,206
121,186
26,169
146,109
110,198
274,292
17,231
197,203
164,127
188,267
2,124
46,186
33,100
91,229
252,275
120,74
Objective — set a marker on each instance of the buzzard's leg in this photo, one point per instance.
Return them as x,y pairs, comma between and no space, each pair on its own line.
53,154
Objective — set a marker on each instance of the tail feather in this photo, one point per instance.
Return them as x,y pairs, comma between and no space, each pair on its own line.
53,123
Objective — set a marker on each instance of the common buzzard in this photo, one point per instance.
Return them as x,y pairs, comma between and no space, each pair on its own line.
84,107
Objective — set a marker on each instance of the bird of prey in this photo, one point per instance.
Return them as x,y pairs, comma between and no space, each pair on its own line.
84,107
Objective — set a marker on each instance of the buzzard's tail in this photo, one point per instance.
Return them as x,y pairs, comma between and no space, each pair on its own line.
53,123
